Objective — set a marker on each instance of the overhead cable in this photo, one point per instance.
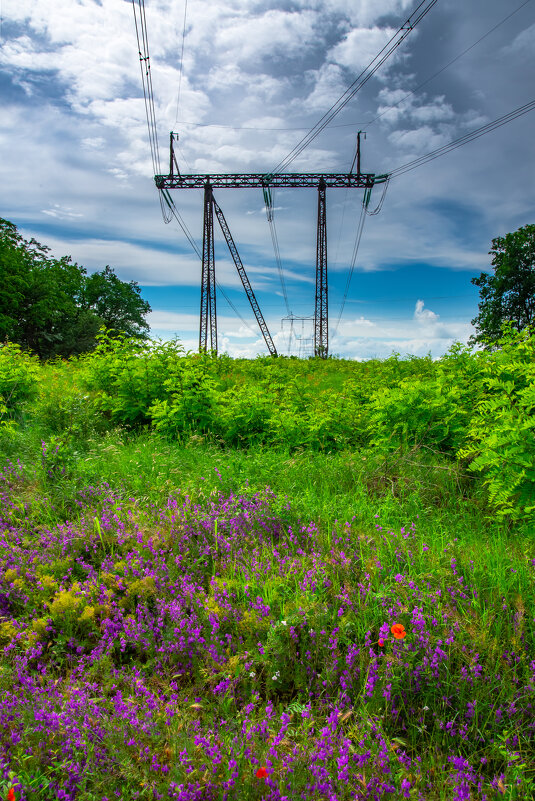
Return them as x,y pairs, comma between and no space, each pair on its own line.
358,237
401,34
178,217
386,109
146,79
463,140
446,66
181,58
234,309
269,201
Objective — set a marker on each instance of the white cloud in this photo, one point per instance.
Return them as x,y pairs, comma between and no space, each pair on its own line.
359,12
421,140
423,315
76,170
275,32
93,142
522,46
329,84
399,104
360,46
61,213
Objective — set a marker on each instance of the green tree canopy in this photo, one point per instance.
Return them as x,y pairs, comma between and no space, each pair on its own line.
52,307
507,296
118,304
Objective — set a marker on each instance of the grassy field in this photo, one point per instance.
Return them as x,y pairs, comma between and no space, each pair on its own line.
201,610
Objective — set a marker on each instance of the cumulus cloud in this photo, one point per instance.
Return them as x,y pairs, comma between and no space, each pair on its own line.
359,12
522,46
249,39
423,315
360,46
420,140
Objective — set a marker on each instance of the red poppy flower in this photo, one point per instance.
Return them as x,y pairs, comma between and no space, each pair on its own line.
380,642
10,794
261,773
398,630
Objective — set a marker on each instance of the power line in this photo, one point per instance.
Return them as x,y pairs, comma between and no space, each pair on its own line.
395,299
234,309
256,128
269,200
395,41
181,58
360,228
378,116
463,140
146,79
412,165
439,151
180,220
446,66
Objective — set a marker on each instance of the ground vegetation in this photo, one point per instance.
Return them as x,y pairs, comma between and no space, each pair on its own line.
274,579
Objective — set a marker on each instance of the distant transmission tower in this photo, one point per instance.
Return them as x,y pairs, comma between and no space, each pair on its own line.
304,345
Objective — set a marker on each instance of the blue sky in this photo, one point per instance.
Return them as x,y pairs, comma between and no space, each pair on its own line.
76,173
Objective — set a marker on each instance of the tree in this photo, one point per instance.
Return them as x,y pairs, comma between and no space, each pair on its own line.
508,296
118,304
52,307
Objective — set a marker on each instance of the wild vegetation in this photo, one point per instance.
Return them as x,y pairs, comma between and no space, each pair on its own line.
268,579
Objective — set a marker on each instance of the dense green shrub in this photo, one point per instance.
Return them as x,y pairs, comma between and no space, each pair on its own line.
244,414
473,407
501,432
128,376
189,403
19,373
430,411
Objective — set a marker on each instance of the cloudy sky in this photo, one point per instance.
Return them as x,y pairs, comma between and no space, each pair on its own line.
256,75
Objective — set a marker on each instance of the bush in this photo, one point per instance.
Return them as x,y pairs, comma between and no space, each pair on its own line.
501,434
19,373
128,376
189,403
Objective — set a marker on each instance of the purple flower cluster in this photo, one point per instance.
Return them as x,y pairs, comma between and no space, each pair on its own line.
172,652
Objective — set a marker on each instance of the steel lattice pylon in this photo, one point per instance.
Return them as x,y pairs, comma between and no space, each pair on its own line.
208,298
321,315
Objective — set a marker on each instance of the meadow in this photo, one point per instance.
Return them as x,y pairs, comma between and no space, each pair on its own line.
269,579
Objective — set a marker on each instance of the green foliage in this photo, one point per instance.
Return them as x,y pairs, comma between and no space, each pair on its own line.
244,413
52,307
431,412
189,405
502,431
18,379
509,294
117,304
472,408
137,382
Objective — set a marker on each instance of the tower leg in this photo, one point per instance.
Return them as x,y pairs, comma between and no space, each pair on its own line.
321,317
208,318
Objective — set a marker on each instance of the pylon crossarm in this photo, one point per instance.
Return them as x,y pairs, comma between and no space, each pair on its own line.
289,180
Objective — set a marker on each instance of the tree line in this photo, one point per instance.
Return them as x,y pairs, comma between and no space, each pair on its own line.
53,307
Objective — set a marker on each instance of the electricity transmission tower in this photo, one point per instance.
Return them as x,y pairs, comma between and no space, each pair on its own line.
320,181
